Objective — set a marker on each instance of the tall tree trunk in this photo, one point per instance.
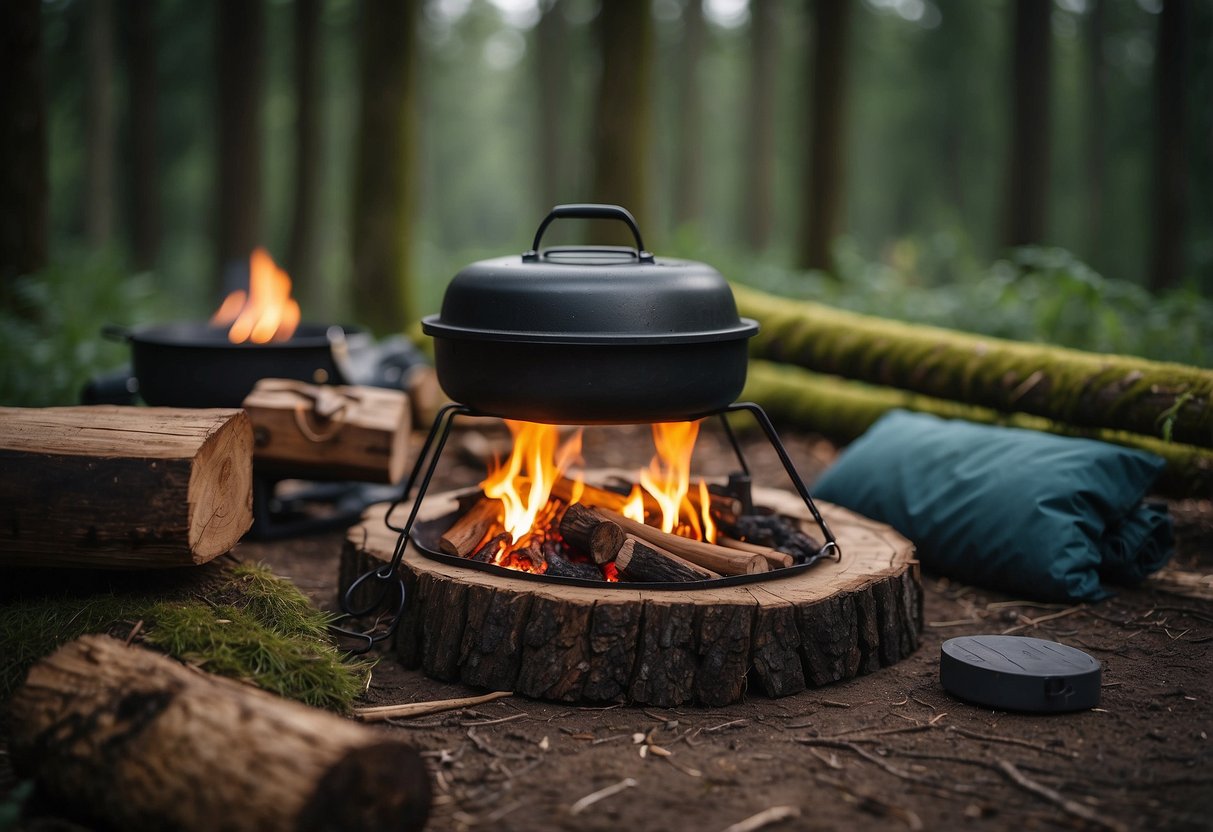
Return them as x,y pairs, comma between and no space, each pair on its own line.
760,148
688,180
99,129
1170,135
384,178
1028,171
301,253
822,192
240,65
622,111
144,162
1097,107
23,152
552,69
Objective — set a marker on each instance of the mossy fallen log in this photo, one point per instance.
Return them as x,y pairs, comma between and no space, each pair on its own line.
842,410
1083,389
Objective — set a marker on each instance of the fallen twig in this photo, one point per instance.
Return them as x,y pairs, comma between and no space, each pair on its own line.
764,818
1032,622
593,797
975,735
1064,803
411,709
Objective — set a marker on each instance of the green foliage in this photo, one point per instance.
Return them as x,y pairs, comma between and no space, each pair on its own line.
53,344
259,629
1043,295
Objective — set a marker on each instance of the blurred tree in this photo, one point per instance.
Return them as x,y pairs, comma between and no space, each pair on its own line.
622,112
309,152
384,176
1027,185
1096,132
240,68
688,165
23,147
759,180
1170,137
144,163
100,132
822,187
552,84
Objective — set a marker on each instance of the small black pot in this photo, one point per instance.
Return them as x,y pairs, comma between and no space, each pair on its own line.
190,364
590,335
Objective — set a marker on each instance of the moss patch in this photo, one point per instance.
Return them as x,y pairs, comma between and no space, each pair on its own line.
245,623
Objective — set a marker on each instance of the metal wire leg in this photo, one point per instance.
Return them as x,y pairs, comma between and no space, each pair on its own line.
387,575
830,548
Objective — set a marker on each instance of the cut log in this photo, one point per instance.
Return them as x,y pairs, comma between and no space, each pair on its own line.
140,742
595,536
708,555
465,534
1076,388
122,487
329,432
637,561
615,643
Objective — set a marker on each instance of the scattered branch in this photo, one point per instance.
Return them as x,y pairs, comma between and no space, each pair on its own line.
1064,803
379,713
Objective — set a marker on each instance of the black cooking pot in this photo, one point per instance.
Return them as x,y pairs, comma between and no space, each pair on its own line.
590,335
192,364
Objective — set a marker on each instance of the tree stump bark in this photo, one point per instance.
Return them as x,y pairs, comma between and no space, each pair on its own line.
135,739
655,647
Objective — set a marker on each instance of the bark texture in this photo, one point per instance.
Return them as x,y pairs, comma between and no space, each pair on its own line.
309,145
141,45
240,69
825,134
140,742
1170,146
384,177
122,487
842,410
1028,167
760,148
24,189
1082,389
622,111
688,164
701,646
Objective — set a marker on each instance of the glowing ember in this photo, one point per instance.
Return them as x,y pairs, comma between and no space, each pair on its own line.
265,313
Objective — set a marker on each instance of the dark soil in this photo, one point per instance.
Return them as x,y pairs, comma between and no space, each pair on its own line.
890,750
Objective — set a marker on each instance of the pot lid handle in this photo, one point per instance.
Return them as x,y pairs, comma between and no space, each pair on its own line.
589,211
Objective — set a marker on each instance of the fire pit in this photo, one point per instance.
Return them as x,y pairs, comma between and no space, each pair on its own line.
609,335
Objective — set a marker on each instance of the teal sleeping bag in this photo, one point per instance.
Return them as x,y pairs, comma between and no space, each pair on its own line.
1027,513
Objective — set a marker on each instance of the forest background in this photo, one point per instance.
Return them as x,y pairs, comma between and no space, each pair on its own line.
1034,169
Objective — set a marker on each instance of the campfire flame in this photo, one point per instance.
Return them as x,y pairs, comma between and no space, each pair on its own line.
668,480
265,313
524,482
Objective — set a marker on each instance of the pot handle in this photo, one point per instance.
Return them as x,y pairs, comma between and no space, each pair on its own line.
589,211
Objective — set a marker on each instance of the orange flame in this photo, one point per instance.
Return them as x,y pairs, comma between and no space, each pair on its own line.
524,482
267,312
633,509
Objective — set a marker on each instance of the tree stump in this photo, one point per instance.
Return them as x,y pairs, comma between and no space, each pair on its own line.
655,647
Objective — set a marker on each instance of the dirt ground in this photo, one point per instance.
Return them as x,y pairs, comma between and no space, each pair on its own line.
890,750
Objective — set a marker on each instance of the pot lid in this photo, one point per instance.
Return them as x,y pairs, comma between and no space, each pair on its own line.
594,294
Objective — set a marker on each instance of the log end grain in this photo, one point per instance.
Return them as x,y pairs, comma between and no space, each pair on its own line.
221,489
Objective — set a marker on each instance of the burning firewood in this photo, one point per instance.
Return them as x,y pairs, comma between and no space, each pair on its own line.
708,555
723,506
463,536
562,567
593,534
488,551
637,561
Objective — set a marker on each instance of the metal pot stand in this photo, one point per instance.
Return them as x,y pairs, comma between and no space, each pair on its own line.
391,594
